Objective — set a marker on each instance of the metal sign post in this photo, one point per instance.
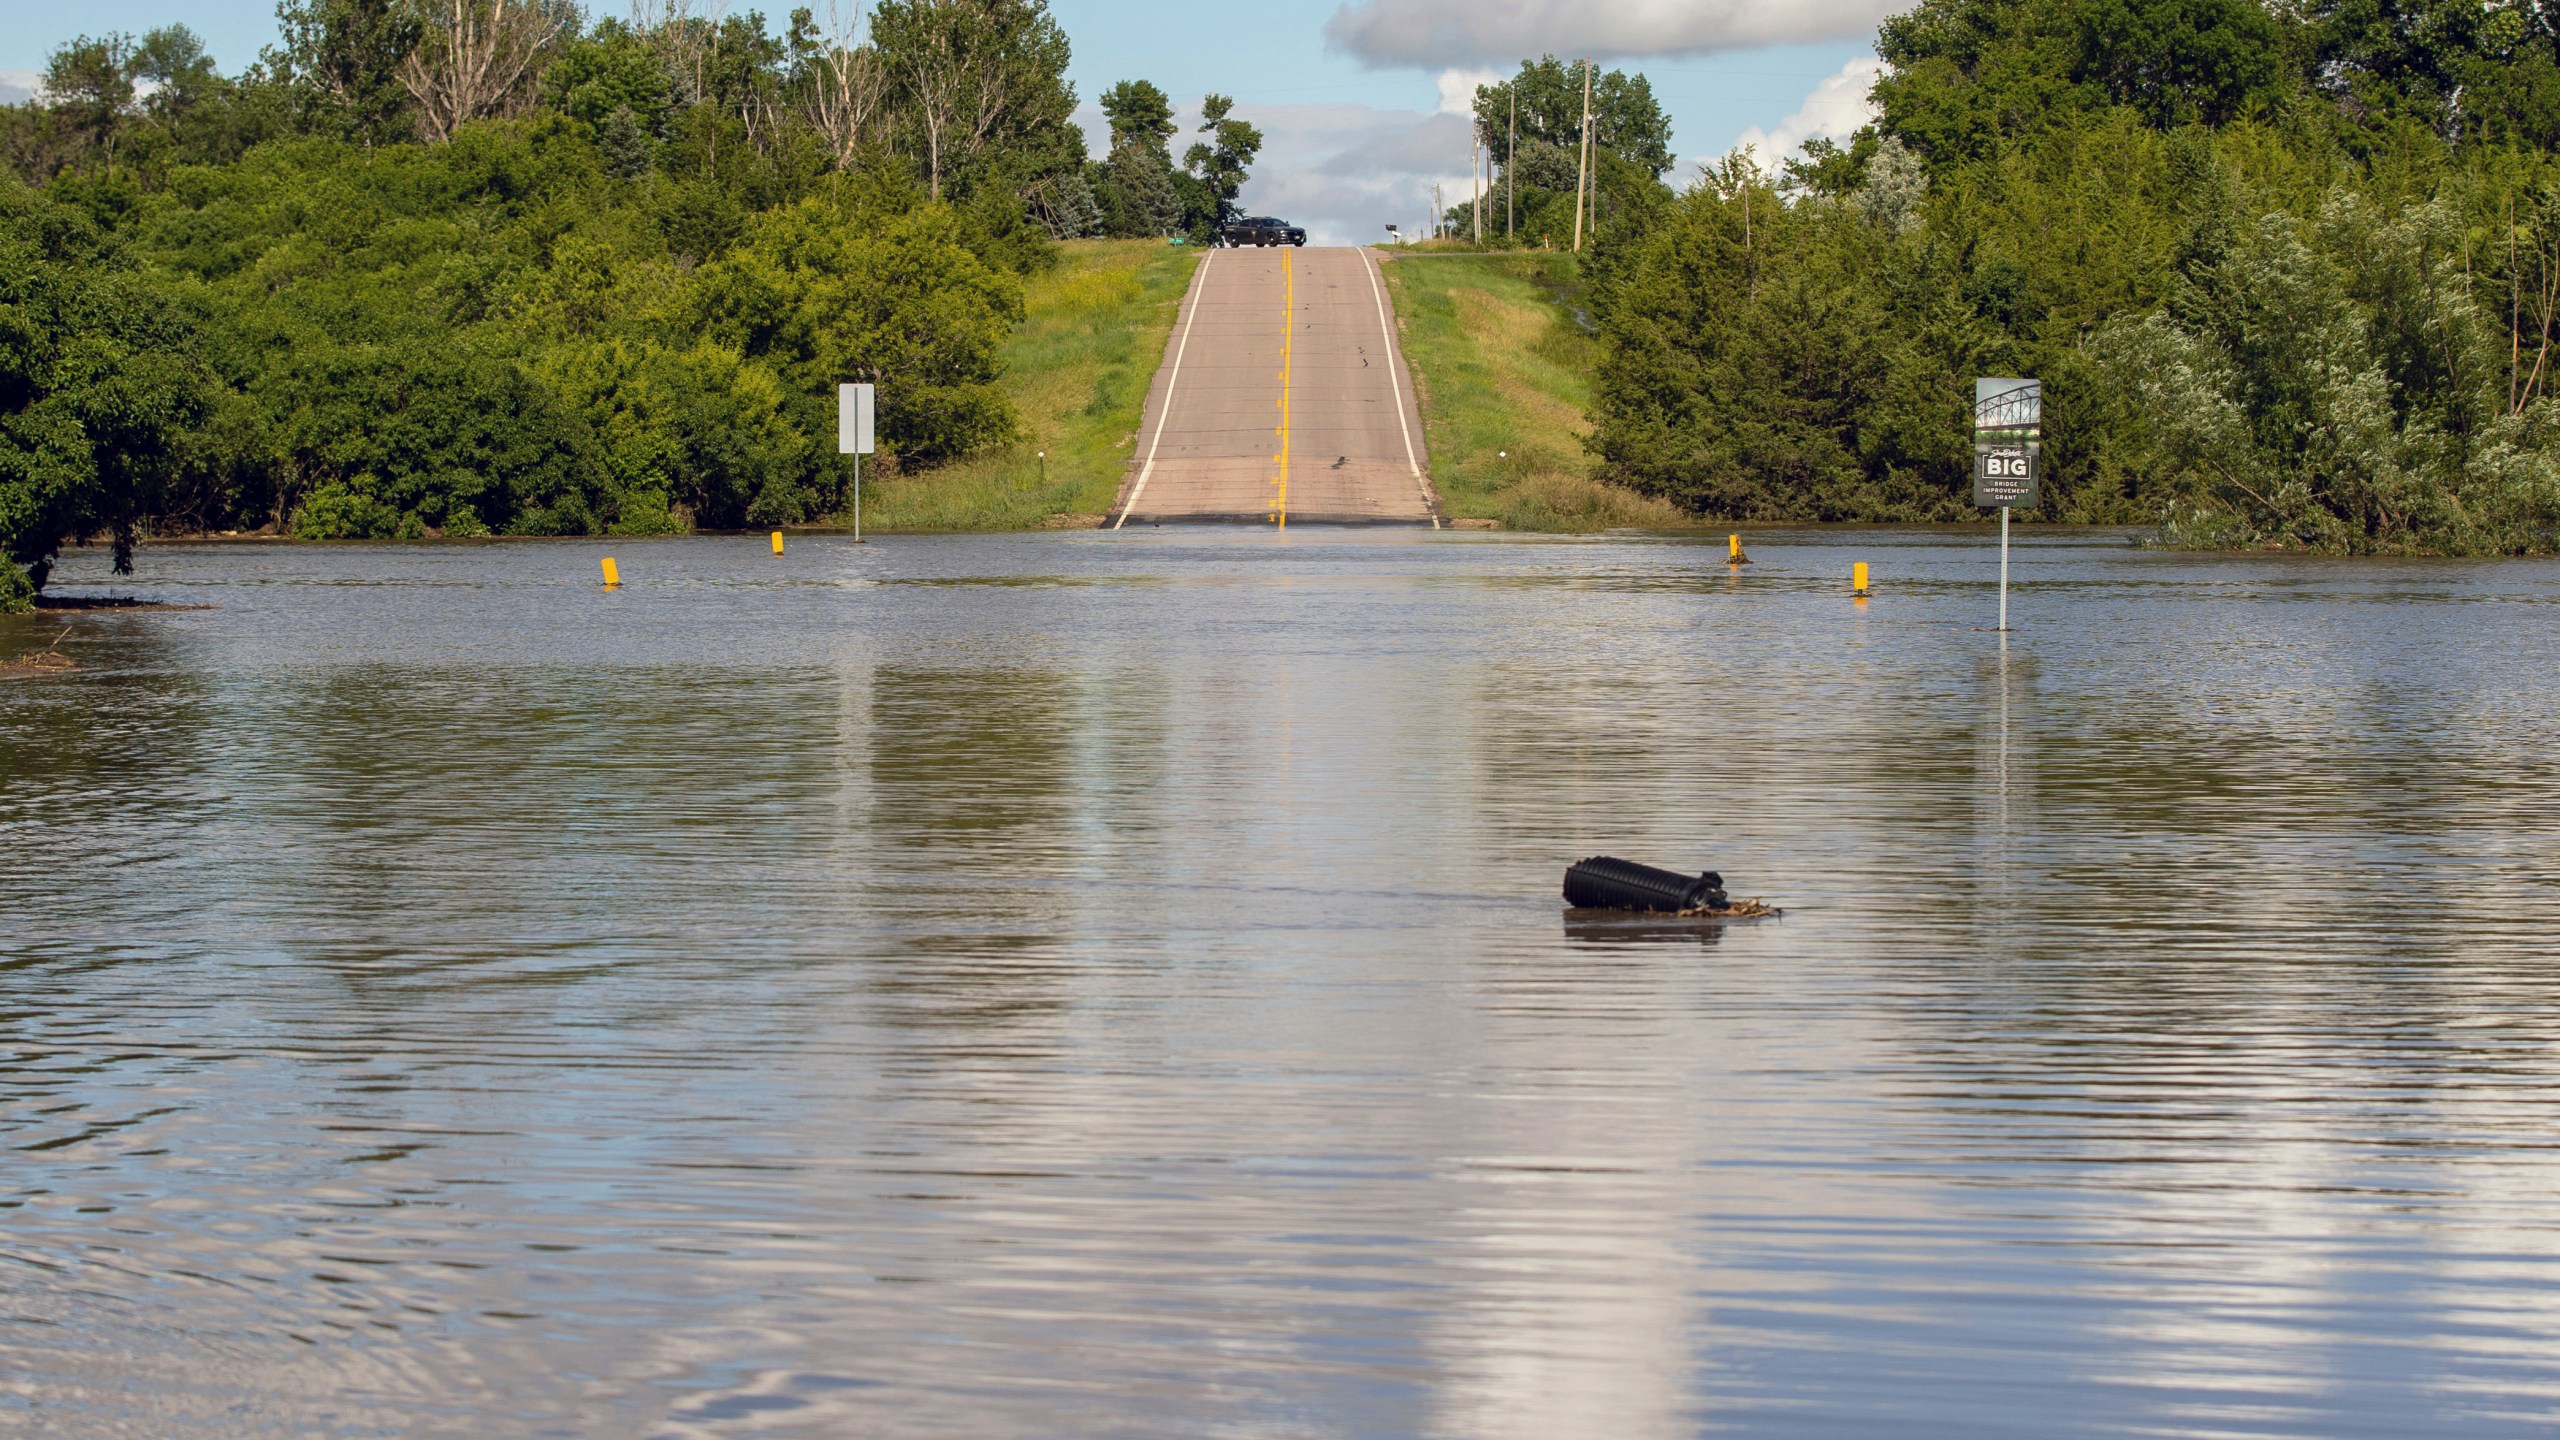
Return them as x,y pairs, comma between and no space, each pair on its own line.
853,437
2008,456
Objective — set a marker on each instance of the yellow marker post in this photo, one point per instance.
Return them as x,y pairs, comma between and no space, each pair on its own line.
612,577
1733,548
777,542
1858,578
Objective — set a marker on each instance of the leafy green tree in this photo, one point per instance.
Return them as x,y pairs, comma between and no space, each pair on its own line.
1532,125
416,428
1963,74
628,149
699,436
181,76
1772,361
625,310
89,83
1140,114
612,70
342,60
101,385
1135,186
1626,121
1216,168
981,89
826,293
1138,193
149,102
1064,204
2328,381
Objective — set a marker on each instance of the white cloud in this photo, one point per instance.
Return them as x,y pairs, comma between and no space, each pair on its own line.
1441,34
1835,110
1458,89
1347,171
18,86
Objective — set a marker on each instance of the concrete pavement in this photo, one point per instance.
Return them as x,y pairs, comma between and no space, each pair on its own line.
1282,394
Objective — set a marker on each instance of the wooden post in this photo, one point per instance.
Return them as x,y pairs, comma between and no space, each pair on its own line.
1582,165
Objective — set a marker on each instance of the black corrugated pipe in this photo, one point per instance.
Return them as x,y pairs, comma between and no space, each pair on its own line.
1605,882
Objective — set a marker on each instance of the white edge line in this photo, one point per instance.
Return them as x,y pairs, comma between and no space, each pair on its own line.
1378,293
1200,277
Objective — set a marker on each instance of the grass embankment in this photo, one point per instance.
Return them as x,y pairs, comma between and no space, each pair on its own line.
1077,369
1501,364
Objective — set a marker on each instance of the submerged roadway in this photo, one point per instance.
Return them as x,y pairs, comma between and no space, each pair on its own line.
1282,397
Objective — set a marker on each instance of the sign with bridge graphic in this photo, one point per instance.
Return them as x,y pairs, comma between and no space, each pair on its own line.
2008,441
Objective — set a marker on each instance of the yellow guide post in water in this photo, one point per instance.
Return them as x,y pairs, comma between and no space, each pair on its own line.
777,542
1858,578
612,577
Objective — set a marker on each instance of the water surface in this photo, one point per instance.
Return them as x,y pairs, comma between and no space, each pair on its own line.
1113,985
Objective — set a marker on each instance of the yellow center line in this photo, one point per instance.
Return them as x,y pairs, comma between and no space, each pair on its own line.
1288,334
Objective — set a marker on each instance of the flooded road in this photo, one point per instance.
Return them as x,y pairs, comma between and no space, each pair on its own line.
1091,985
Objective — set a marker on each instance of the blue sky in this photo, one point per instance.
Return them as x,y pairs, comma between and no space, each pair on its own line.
1350,96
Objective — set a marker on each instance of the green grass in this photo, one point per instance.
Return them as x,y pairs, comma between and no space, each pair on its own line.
1500,365
1077,368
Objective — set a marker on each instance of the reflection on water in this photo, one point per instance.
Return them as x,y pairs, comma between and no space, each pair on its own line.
1082,985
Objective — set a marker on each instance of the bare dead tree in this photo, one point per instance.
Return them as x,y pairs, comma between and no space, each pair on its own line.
987,83
479,57
843,84
683,33
2533,300
932,80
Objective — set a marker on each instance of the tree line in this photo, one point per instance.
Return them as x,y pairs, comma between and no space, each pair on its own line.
2290,275
467,267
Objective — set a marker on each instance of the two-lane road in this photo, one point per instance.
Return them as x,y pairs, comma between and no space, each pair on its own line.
1283,397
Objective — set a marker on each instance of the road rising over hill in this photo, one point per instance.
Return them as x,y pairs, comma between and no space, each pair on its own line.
1282,396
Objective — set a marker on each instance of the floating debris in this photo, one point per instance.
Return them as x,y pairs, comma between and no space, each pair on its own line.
47,661
1753,909
1607,883
108,602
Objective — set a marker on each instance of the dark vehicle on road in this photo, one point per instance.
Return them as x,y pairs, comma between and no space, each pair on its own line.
1260,230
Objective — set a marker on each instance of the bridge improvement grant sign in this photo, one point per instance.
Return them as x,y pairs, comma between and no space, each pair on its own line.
2008,441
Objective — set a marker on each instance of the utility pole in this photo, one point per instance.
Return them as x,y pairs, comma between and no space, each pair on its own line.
1510,159
1582,169
1591,147
1595,183
1476,150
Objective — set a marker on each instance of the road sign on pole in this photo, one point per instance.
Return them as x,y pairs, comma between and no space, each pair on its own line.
2008,455
853,419
2008,441
853,437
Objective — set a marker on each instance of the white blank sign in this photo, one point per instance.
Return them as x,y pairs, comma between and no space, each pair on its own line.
853,419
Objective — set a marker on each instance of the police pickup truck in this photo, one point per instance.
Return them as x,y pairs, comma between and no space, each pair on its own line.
1260,230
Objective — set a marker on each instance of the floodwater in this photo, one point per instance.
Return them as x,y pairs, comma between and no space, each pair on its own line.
1113,985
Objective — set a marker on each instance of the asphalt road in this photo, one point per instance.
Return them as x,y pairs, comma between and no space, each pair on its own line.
1282,394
